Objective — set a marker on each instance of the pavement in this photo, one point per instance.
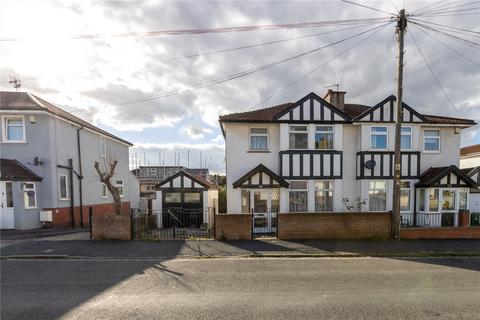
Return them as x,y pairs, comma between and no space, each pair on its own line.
76,244
246,288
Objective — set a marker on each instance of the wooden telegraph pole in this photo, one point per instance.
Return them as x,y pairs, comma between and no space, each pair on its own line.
401,26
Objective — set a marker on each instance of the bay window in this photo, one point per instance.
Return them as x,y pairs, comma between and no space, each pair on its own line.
433,200
298,137
324,137
258,139
462,199
323,196
377,195
298,195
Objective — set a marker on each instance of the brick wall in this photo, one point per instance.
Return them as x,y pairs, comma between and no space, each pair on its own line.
440,233
61,216
111,226
337,225
233,226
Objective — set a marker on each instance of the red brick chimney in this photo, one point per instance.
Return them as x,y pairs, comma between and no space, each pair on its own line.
336,98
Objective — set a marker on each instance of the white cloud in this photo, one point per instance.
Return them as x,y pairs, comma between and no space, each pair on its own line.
218,139
194,132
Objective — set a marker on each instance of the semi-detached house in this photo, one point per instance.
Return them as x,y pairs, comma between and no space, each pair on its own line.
39,143
317,154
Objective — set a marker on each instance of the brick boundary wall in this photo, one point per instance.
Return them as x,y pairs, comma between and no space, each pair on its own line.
61,216
233,227
111,227
335,225
440,233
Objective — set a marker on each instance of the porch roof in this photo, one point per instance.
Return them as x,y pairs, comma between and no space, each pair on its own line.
13,170
450,176
255,179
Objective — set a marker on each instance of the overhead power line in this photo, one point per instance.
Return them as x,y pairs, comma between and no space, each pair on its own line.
446,26
433,73
449,47
449,35
247,72
469,10
367,7
318,67
177,32
449,6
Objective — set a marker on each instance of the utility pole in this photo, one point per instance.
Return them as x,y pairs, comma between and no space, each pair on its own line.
401,27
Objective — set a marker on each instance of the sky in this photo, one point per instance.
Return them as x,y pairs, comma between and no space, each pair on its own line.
103,79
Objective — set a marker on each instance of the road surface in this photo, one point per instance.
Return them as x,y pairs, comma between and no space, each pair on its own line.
302,288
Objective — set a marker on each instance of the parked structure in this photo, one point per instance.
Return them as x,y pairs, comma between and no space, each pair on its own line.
323,155
47,165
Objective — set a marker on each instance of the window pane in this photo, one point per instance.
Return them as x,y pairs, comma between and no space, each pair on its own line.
379,141
433,200
104,190
63,187
323,185
448,199
298,128
324,129
432,144
298,141
324,201
258,130
377,200
462,194
405,200
258,143
14,129
406,130
404,184
260,201
379,129
298,201
9,194
324,140
431,133
298,184
245,201
406,142
421,200
192,197
173,197
275,200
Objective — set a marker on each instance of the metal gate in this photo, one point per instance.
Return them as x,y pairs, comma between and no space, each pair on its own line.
173,223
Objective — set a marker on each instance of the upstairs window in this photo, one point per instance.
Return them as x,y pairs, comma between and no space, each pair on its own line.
298,196
406,138
324,137
258,139
378,137
431,140
13,129
298,137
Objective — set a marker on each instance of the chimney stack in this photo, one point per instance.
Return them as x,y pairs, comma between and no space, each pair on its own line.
336,98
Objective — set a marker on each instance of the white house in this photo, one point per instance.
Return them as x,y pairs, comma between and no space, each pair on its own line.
470,165
314,154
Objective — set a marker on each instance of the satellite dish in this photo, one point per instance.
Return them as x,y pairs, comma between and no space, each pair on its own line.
370,164
36,161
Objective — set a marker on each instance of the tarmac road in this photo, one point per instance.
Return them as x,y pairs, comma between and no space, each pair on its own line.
245,288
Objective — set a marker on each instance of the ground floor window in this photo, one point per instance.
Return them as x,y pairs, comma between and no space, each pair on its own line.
377,195
433,200
298,195
245,201
448,200
405,196
323,196
173,197
421,200
29,195
463,199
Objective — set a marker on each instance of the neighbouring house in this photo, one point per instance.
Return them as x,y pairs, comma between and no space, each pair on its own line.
47,165
185,199
320,155
470,165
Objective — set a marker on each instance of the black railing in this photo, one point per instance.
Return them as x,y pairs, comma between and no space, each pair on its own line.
173,223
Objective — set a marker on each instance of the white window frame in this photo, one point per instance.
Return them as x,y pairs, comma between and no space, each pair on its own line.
151,171
439,205
250,134
407,134
66,187
298,190
4,129
290,132
321,189
409,195
25,189
377,134
435,137
377,189
425,197
122,185
327,132
103,187
103,147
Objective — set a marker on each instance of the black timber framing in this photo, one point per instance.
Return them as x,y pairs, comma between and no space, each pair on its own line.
246,180
370,155
323,153
383,104
427,179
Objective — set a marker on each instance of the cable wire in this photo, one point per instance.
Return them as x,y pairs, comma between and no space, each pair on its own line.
427,7
246,72
449,47
450,6
445,26
317,67
364,6
457,38
433,73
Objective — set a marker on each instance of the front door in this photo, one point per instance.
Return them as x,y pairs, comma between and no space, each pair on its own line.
6,206
265,207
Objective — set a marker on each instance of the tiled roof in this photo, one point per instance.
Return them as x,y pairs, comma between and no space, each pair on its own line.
470,149
24,101
351,109
13,170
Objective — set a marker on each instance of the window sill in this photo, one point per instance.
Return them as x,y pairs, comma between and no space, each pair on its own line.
436,151
19,141
64,199
258,151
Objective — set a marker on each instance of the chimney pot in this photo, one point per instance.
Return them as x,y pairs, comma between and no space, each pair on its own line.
336,98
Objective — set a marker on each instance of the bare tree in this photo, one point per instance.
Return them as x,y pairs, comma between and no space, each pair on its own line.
105,178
